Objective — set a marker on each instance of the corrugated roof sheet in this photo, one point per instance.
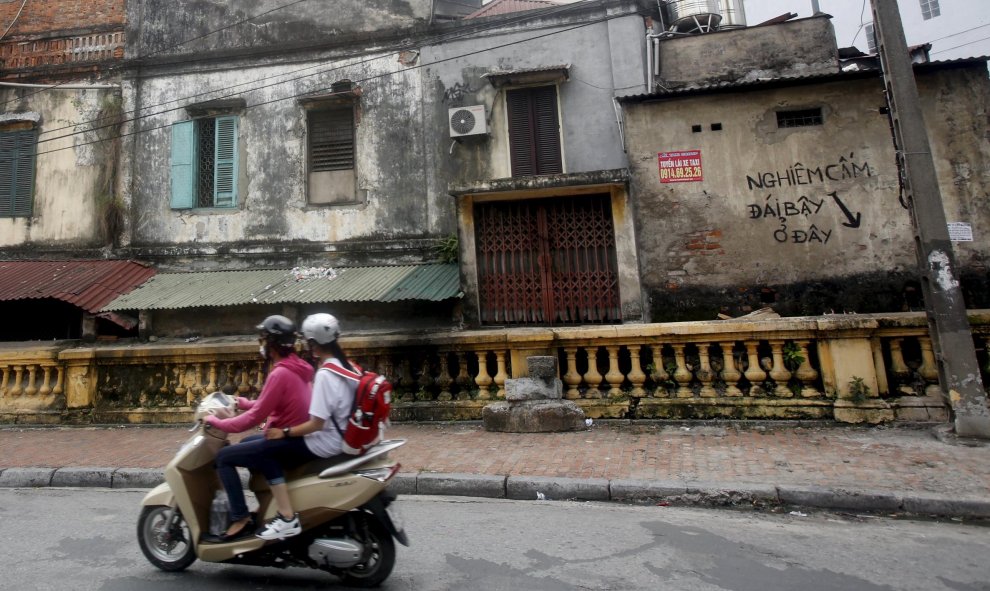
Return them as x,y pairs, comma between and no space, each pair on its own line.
87,284
273,286
506,6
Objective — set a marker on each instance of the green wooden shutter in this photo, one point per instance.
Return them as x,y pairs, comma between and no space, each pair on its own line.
225,171
17,159
183,168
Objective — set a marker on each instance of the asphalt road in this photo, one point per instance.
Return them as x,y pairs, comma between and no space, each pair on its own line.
85,539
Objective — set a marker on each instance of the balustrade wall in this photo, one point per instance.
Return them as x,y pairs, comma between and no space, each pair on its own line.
870,368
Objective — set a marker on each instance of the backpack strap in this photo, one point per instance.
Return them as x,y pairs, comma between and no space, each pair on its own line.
346,374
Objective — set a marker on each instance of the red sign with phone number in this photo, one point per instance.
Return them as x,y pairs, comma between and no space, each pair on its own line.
680,167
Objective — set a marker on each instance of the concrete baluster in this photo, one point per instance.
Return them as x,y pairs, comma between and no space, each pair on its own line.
164,387
754,373
444,380
31,389
46,388
614,377
3,380
211,386
59,380
592,377
425,380
197,386
806,373
704,372
659,373
779,372
572,378
259,381
180,382
636,375
928,369
463,379
730,373
483,379
406,380
501,375
682,375
15,389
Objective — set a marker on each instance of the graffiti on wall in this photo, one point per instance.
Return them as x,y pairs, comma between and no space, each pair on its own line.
800,219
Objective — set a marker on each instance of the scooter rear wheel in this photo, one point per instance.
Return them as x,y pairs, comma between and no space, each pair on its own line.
167,546
379,556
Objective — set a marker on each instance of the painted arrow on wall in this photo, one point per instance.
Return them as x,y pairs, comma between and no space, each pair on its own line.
854,220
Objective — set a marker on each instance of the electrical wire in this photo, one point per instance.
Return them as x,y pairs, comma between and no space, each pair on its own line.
960,45
313,91
438,39
16,16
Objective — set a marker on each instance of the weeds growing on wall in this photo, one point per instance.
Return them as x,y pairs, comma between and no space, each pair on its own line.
447,248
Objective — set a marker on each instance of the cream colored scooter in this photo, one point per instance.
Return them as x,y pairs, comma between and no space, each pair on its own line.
345,510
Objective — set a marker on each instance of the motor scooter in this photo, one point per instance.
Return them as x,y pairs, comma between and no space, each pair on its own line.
346,511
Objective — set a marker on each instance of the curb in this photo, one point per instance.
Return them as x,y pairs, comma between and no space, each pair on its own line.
672,492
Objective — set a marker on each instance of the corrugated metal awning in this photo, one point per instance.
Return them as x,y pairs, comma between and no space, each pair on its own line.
165,291
88,284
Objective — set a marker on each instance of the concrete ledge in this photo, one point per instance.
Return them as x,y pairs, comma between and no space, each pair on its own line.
838,498
645,490
583,489
467,485
26,477
403,483
947,506
77,476
137,478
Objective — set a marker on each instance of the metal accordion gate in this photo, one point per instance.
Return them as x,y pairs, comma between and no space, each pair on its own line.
547,261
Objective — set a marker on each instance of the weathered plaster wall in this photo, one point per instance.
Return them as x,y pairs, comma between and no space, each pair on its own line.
797,48
272,211
805,219
67,170
159,28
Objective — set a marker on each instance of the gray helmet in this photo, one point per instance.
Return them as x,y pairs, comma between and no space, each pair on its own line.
278,330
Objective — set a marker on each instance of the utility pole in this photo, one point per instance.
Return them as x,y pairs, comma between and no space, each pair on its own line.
958,370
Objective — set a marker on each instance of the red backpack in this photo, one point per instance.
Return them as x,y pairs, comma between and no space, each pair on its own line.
369,410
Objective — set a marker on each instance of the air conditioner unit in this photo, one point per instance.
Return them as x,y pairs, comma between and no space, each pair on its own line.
466,121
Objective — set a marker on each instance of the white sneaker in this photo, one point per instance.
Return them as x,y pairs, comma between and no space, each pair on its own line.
278,528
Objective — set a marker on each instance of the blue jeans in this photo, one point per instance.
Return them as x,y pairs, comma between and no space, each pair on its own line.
258,454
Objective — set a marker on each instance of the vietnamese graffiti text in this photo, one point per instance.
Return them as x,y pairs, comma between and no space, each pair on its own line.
798,174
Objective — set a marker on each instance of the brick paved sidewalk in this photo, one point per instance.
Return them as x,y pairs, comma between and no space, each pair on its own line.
898,459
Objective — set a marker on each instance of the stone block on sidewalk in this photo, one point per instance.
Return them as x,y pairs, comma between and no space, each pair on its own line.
83,476
138,478
467,485
26,477
556,489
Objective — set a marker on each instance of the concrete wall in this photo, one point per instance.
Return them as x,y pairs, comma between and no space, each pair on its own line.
797,48
67,170
804,219
205,27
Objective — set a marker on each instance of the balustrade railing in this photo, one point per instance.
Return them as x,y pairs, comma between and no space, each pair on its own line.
850,368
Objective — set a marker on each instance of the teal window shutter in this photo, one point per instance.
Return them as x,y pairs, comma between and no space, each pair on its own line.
17,159
225,171
183,168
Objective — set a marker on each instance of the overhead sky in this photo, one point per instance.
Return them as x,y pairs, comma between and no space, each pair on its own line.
961,29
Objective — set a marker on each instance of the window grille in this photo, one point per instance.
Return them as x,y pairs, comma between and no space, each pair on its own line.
802,118
206,130
930,9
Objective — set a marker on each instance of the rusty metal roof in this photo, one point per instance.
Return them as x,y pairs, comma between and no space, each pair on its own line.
435,282
506,6
88,284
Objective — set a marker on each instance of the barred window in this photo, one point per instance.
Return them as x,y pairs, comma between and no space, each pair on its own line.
930,9
801,118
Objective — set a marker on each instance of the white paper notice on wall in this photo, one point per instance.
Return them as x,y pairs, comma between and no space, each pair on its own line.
960,232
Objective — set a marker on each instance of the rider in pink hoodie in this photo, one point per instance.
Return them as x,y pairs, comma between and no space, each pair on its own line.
284,401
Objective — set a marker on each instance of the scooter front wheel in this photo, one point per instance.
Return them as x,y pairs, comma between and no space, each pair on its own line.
165,539
379,555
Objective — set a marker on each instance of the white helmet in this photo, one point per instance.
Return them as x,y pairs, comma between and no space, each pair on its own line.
322,328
